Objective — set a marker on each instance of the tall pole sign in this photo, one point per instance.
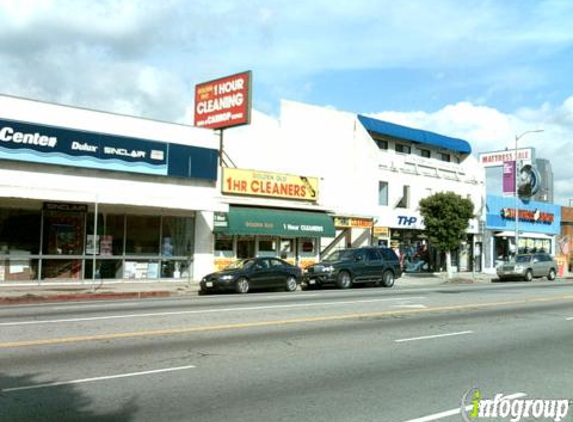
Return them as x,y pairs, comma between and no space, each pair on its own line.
224,102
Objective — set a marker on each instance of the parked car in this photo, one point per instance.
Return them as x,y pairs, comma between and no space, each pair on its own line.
346,267
253,273
528,266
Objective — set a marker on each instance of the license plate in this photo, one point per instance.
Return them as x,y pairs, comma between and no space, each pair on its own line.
311,281
209,284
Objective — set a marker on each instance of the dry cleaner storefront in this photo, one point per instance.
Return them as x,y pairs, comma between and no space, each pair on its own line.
270,228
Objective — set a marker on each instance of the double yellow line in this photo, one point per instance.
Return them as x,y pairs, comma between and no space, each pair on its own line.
257,324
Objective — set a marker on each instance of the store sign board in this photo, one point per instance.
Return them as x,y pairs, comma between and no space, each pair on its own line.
532,216
274,185
224,102
22,141
382,231
221,220
59,206
351,222
497,158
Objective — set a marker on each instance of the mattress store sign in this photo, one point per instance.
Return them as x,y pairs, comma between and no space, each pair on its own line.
274,185
44,144
224,102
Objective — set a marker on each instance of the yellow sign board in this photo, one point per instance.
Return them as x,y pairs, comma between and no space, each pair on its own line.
351,222
275,185
381,231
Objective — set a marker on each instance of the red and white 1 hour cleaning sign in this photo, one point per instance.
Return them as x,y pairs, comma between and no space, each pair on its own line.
224,102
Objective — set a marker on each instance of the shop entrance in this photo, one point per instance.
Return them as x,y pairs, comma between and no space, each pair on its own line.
245,247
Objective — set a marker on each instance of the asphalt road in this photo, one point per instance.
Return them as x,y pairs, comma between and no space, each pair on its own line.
367,354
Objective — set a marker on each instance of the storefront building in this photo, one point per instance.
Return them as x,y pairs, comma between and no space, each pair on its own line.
371,178
88,195
539,224
270,214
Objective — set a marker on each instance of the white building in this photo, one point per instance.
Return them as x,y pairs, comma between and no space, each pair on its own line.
372,174
152,183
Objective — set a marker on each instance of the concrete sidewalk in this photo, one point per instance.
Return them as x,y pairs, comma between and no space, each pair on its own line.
53,292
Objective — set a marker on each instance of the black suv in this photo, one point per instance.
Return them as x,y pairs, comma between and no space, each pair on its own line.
346,267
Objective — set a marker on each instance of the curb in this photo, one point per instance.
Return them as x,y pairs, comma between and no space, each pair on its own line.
30,298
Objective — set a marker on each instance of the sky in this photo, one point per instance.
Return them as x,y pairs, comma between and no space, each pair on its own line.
485,71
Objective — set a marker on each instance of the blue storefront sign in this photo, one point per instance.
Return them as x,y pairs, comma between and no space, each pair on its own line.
534,217
44,144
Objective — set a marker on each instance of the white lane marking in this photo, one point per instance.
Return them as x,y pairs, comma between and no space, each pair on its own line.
60,308
203,311
415,306
433,336
453,412
109,377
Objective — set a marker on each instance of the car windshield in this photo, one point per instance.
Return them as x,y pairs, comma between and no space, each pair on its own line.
242,264
523,258
341,255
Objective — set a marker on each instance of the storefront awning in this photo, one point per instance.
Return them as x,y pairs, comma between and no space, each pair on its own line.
524,235
274,222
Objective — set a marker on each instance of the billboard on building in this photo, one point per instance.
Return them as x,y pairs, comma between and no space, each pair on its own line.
509,178
224,102
497,158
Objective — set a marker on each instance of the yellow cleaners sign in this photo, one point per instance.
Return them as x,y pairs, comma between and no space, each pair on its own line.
275,185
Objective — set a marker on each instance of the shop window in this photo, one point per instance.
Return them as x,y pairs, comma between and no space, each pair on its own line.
105,269
382,193
245,247
16,269
177,236
175,269
141,270
267,246
20,231
63,233
110,234
287,248
403,149
307,246
142,235
61,269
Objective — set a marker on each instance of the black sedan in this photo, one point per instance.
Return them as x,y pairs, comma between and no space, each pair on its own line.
246,274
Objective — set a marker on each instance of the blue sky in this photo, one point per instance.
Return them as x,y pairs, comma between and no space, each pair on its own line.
481,70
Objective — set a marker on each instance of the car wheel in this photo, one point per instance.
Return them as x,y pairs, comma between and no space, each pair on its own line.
242,285
388,279
528,275
291,284
344,280
552,274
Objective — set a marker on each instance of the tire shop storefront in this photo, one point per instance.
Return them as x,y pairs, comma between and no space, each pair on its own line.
87,194
539,224
274,227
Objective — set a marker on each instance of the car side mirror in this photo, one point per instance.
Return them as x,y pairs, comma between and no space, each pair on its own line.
358,258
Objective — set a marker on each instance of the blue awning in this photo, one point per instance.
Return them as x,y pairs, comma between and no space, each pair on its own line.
414,135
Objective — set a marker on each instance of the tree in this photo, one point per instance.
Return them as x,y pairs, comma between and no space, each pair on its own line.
446,217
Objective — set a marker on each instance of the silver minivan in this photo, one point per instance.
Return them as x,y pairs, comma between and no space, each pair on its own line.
528,266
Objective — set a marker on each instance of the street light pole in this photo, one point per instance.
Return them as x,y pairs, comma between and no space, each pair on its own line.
516,170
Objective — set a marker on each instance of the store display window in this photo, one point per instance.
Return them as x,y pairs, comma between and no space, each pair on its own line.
267,246
142,234
63,233
20,231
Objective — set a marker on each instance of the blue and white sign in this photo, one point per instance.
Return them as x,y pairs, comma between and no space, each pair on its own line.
43,144
534,217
